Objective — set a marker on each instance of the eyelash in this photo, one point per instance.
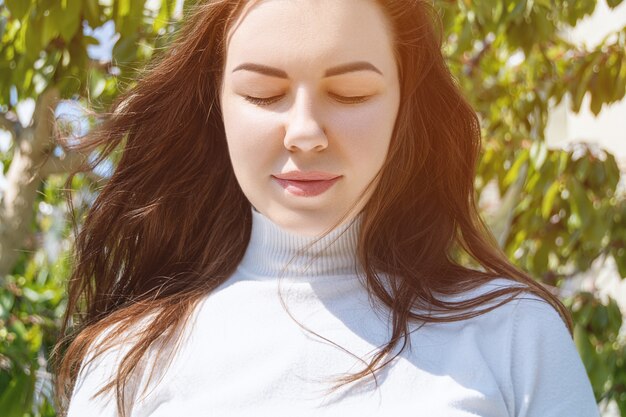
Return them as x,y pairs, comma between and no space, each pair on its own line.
270,100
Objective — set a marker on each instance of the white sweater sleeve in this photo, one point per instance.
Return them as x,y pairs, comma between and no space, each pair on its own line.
547,373
97,373
91,378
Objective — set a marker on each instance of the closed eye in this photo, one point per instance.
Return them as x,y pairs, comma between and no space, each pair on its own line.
354,99
269,100
262,101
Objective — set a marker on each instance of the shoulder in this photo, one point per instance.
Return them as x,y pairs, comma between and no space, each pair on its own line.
507,294
100,366
546,372
542,373
524,309
503,310
511,317
116,338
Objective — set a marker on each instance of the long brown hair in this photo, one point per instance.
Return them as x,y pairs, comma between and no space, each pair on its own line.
172,223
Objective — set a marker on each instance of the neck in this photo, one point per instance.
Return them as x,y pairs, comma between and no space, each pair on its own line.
274,252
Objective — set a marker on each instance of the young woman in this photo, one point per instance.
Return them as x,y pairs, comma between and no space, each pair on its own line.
282,234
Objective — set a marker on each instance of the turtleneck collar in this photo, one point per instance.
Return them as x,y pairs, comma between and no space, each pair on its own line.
271,248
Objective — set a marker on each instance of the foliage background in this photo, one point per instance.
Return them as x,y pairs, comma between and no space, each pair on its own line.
559,210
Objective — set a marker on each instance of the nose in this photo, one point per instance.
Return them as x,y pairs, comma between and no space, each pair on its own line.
303,130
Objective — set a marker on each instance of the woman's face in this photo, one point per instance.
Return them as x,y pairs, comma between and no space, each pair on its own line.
329,73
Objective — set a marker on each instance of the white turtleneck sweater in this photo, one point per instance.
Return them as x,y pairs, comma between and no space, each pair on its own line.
243,355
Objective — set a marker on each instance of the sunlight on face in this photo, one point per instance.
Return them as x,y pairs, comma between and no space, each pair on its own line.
309,86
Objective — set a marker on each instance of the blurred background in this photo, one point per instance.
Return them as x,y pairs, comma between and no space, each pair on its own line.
547,78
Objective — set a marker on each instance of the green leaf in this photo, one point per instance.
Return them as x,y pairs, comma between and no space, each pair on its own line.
579,200
620,260
96,84
70,21
517,9
563,161
586,312
611,76
574,223
33,39
51,24
129,18
540,258
546,4
465,39
613,3
27,80
92,13
90,40
538,154
6,304
16,399
514,171
583,78
3,26
600,318
123,8
598,176
615,316
598,95
18,8
162,18
584,346
125,50
548,200
620,81
612,172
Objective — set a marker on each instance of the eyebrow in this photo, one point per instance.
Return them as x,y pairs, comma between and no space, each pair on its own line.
330,72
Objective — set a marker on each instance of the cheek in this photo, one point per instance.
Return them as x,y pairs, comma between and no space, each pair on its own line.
249,135
365,135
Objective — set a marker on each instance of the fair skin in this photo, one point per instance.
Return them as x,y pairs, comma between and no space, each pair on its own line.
318,118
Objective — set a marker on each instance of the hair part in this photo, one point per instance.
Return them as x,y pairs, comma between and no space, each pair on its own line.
172,223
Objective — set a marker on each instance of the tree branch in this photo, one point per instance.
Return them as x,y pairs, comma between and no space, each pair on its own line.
56,165
68,163
7,123
501,221
44,119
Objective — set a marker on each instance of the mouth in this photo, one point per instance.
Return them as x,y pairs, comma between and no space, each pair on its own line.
306,175
306,188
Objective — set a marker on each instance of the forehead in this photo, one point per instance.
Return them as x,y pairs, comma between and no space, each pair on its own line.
311,34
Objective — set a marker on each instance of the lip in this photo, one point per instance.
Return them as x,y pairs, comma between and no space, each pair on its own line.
306,176
306,188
